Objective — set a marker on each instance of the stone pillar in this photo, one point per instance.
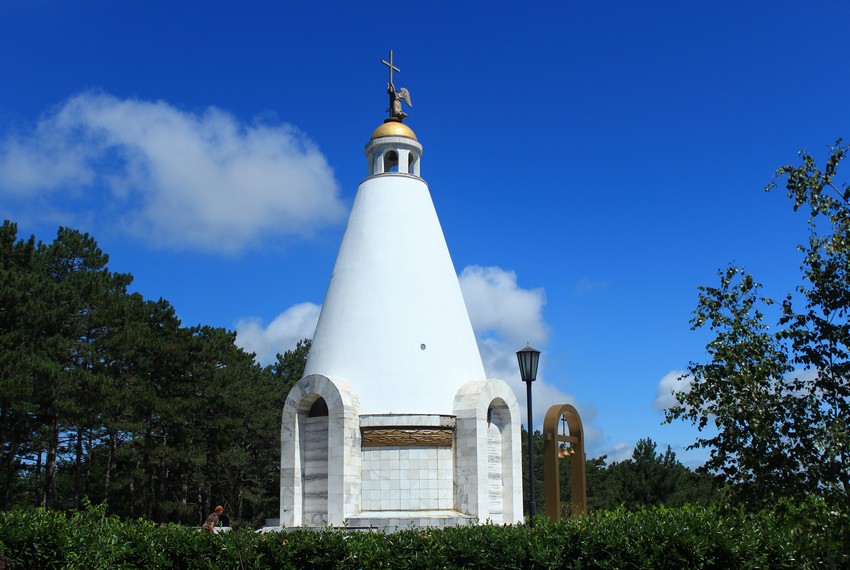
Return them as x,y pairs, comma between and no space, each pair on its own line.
488,467
342,466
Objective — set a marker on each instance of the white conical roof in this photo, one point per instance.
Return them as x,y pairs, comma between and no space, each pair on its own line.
394,324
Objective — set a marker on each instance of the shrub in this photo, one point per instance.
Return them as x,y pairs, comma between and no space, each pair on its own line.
807,535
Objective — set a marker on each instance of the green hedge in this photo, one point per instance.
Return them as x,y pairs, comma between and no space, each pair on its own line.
808,536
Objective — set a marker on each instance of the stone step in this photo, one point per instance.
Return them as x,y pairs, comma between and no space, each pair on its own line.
400,520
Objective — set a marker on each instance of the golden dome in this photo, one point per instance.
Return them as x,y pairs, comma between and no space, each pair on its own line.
393,129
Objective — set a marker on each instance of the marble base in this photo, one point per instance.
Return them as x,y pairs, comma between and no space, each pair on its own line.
393,471
401,520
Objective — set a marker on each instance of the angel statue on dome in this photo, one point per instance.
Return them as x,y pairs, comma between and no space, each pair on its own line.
396,97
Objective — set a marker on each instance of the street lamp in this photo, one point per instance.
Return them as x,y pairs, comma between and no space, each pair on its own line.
528,359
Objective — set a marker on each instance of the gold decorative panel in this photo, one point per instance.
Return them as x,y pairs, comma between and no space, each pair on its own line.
418,436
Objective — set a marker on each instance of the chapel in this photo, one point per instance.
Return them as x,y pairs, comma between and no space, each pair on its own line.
394,423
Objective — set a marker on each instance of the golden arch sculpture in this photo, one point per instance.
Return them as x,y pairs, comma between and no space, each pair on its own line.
553,453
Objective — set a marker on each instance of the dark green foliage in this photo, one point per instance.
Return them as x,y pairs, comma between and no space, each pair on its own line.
819,334
647,479
290,366
105,395
57,302
780,398
798,536
741,391
655,479
538,471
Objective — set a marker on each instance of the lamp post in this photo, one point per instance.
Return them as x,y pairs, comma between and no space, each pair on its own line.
528,359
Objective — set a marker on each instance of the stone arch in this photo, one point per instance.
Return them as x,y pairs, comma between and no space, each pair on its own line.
488,468
320,453
552,454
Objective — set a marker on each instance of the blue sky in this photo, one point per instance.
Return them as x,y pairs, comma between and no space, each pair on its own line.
592,163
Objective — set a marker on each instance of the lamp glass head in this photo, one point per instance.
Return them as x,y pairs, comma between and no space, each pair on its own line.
528,358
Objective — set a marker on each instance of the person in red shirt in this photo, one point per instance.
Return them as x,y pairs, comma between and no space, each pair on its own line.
213,519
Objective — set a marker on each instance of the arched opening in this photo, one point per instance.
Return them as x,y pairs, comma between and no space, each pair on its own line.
391,161
319,454
319,408
313,439
499,481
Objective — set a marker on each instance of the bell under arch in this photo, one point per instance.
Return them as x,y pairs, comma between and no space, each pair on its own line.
558,446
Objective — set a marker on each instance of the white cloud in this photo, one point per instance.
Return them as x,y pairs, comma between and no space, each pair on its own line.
505,317
674,381
499,307
283,333
805,375
619,452
178,179
586,285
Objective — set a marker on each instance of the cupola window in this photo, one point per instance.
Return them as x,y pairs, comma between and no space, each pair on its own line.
413,164
391,161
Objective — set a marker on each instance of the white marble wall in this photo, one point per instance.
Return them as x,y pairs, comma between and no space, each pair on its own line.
495,477
314,469
407,478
